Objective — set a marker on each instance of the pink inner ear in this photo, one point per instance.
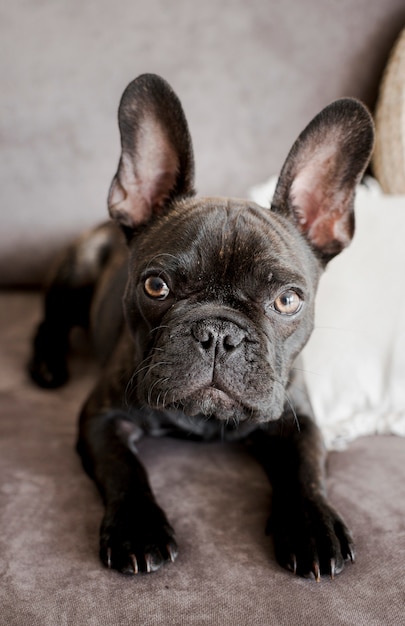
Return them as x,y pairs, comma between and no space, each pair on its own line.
125,202
144,181
156,164
311,194
322,210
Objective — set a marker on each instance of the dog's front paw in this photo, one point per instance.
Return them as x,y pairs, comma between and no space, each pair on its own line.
136,538
47,366
310,538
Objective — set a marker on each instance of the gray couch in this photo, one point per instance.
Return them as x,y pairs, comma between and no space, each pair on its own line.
250,76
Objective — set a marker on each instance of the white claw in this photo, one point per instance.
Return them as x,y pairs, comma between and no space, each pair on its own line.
148,563
317,572
172,554
332,568
134,563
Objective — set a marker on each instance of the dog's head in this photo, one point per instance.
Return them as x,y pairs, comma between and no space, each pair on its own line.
220,292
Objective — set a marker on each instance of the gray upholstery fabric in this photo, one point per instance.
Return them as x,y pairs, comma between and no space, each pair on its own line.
216,497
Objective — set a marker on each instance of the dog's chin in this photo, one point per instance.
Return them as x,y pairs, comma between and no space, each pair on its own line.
212,402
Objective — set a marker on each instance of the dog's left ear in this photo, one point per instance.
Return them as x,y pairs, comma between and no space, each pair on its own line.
156,163
317,184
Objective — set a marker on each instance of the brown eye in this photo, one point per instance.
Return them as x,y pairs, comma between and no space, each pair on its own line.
288,302
156,288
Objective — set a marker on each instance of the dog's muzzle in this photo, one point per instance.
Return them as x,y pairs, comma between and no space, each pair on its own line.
212,362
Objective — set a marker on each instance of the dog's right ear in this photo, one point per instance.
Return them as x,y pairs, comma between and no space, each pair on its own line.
156,163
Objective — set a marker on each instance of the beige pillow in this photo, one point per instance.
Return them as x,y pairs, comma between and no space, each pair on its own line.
389,155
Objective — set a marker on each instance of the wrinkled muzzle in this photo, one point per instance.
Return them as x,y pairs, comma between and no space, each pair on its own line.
214,362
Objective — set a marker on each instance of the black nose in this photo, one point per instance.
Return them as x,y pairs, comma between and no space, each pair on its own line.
218,335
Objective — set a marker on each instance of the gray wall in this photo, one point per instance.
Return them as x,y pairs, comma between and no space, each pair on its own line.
250,76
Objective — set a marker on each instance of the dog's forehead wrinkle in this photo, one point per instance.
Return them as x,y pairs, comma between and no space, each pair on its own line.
162,258
218,244
252,254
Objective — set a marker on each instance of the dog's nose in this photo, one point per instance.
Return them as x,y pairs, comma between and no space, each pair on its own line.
219,336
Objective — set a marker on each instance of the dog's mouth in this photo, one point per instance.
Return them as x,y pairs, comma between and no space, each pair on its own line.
212,401
213,398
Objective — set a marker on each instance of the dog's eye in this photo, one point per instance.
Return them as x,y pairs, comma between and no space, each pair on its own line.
156,288
288,302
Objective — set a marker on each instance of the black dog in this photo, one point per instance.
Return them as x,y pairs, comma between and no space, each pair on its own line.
218,299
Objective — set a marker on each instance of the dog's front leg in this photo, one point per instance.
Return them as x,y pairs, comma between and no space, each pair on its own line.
135,535
310,538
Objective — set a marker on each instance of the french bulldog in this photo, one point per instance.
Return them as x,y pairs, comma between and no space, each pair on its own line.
199,308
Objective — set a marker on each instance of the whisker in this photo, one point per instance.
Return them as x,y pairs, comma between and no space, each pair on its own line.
305,371
153,330
289,401
172,256
151,367
157,382
165,397
164,380
144,365
128,389
293,411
